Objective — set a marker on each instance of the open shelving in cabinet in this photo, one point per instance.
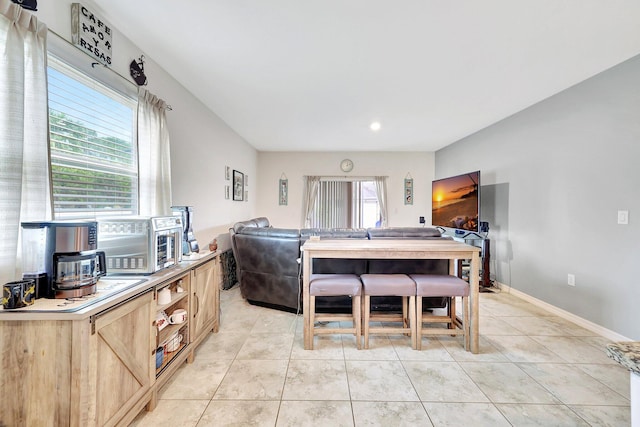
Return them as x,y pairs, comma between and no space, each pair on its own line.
172,330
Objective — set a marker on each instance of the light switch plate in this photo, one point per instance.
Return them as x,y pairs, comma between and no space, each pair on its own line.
623,217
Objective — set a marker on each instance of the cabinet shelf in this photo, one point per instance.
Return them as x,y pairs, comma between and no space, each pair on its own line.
175,297
164,334
179,300
168,358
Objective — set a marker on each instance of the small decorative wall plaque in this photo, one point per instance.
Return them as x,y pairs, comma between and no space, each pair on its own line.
91,34
238,185
227,173
283,191
408,190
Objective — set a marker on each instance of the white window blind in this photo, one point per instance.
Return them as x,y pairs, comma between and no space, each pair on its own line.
93,152
331,209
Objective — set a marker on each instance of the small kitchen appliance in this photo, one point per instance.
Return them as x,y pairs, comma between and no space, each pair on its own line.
140,245
189,242
62,257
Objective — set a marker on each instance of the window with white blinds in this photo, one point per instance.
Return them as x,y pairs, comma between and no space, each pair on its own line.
92,132
346,204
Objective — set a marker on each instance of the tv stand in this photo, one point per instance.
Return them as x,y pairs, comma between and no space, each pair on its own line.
477,240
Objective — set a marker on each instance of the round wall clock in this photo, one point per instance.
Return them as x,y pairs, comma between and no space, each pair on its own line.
346,165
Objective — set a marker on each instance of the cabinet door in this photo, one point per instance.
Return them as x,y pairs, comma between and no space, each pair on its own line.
122,343
204,304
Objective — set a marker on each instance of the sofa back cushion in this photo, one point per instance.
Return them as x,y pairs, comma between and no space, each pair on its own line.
336,266
407,266
418,233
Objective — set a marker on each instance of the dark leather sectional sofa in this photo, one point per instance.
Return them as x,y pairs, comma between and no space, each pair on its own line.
268,261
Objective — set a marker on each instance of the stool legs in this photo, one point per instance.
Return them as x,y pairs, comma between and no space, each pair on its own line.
367,316
417,344
451,319
408,320
356,318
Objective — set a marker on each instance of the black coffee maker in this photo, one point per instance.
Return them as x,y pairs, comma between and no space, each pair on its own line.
189,242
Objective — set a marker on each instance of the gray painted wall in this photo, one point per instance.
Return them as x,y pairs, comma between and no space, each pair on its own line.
552,180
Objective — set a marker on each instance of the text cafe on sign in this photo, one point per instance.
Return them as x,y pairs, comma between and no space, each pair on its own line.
90,33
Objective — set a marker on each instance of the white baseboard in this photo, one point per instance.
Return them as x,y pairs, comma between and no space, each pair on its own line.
593,327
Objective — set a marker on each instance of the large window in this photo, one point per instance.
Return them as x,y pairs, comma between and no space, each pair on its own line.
94,164
346,204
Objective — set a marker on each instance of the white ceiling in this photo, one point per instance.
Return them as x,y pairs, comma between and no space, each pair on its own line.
311,75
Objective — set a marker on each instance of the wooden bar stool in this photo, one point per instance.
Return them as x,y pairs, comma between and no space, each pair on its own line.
328,285
439,285
389,285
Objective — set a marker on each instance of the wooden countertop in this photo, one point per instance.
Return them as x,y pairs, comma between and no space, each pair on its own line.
112,290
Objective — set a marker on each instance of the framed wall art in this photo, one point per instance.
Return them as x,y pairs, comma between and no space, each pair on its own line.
238,185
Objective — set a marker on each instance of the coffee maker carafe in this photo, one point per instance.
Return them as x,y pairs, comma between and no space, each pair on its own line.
189,244
62,257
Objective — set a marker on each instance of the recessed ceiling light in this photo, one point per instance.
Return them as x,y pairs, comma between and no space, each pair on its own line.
375,126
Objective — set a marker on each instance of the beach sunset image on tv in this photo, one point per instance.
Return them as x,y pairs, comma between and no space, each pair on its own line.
455,201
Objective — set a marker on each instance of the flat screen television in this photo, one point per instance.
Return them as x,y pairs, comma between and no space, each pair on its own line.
456,202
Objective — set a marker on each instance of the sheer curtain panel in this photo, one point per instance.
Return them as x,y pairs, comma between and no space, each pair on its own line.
24,160
311,184
381,193
154,155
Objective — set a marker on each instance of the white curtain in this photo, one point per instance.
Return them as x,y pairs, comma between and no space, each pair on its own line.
24,131
381,193
311,184
154,155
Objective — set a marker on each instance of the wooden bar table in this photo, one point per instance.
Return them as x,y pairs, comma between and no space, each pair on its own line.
392,249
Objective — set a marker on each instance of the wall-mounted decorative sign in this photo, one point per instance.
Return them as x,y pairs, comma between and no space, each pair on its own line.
136,69
227,192
246,195
91,34
227,173
27,4
408,190
238,185
283,190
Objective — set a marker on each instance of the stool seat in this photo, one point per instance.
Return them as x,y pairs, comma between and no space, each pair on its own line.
326,285
388,285
438,285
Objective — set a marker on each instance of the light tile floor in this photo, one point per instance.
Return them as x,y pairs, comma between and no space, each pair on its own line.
533,369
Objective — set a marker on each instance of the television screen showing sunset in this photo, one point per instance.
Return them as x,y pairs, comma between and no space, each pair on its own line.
455,201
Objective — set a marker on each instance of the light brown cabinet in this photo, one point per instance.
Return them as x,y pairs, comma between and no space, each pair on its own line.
98,367
171,337
123,369
205,305
90,372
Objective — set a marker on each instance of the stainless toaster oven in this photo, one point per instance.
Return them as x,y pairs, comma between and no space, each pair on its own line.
140,245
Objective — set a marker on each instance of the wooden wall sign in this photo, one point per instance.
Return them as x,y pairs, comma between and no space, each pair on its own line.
91,34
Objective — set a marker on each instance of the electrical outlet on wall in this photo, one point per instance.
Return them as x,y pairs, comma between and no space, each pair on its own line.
421,219
571,279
